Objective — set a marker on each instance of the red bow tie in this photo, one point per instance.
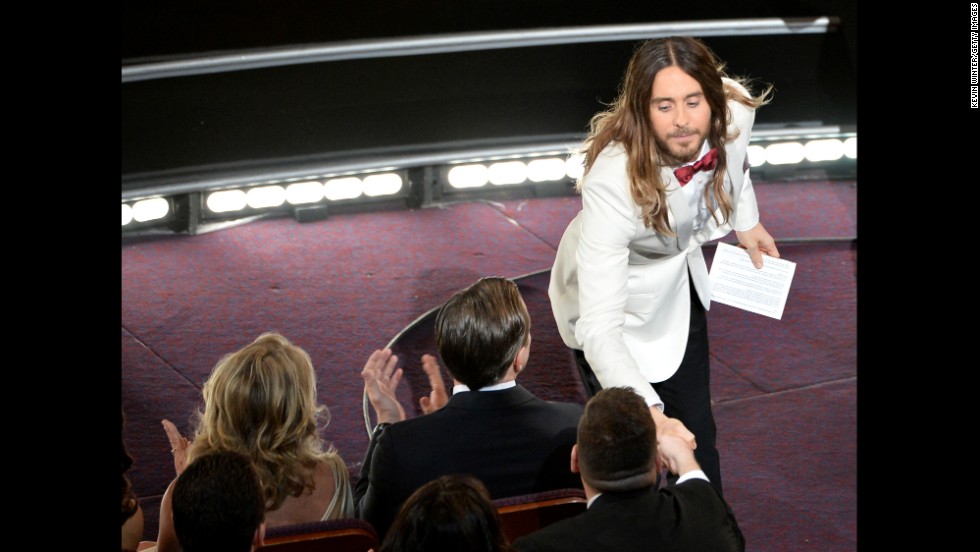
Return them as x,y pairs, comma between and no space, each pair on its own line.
706,163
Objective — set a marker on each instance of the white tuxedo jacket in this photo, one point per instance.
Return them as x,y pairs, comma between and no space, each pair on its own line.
619,291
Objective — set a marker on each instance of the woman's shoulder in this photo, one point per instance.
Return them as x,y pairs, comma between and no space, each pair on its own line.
330,465
132,530
329,476
335,456
341,496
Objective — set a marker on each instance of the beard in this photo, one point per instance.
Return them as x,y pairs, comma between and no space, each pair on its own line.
673,154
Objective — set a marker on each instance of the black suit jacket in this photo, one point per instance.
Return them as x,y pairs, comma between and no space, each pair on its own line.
691,516
511,440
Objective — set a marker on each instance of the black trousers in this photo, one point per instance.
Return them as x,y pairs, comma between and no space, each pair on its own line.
686,394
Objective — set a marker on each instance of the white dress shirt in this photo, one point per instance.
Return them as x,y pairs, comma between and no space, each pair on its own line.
460,388
694,190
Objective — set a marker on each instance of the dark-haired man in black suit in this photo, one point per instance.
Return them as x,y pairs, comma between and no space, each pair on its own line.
619,459
491,428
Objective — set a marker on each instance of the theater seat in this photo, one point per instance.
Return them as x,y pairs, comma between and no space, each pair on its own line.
525,514
336,535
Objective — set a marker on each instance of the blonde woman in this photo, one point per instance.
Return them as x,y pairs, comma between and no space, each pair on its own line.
261,402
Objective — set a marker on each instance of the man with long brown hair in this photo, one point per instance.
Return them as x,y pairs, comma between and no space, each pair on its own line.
666,170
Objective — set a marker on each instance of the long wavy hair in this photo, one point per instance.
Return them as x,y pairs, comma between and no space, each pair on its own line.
261,402
627,121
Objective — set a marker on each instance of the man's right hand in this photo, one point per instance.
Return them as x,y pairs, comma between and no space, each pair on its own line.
671,434
381,383
672,426
676,455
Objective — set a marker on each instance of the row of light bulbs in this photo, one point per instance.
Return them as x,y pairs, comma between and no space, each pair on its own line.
462,176
550,169
273,195
299,193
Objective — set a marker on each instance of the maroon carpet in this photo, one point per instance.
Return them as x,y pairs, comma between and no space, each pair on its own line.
344,286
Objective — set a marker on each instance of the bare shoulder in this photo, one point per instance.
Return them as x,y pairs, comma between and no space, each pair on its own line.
132,530
311,503
327,468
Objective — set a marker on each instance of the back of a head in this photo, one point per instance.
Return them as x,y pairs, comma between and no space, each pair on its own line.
261,401
453,513
617,441
267,388
218,504
480,330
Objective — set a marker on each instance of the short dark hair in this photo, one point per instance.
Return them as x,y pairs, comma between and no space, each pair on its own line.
218,503
480,330
617,441
454,512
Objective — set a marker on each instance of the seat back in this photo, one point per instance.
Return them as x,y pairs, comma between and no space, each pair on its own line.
335,535
525,514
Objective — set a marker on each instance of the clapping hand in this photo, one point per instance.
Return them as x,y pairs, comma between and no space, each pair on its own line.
437,397
381,380
178,445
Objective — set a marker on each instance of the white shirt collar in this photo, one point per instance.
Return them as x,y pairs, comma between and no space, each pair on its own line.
692,191
460,388
693,474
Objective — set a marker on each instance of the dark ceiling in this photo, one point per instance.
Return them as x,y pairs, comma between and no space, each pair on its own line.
233,119
179,27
